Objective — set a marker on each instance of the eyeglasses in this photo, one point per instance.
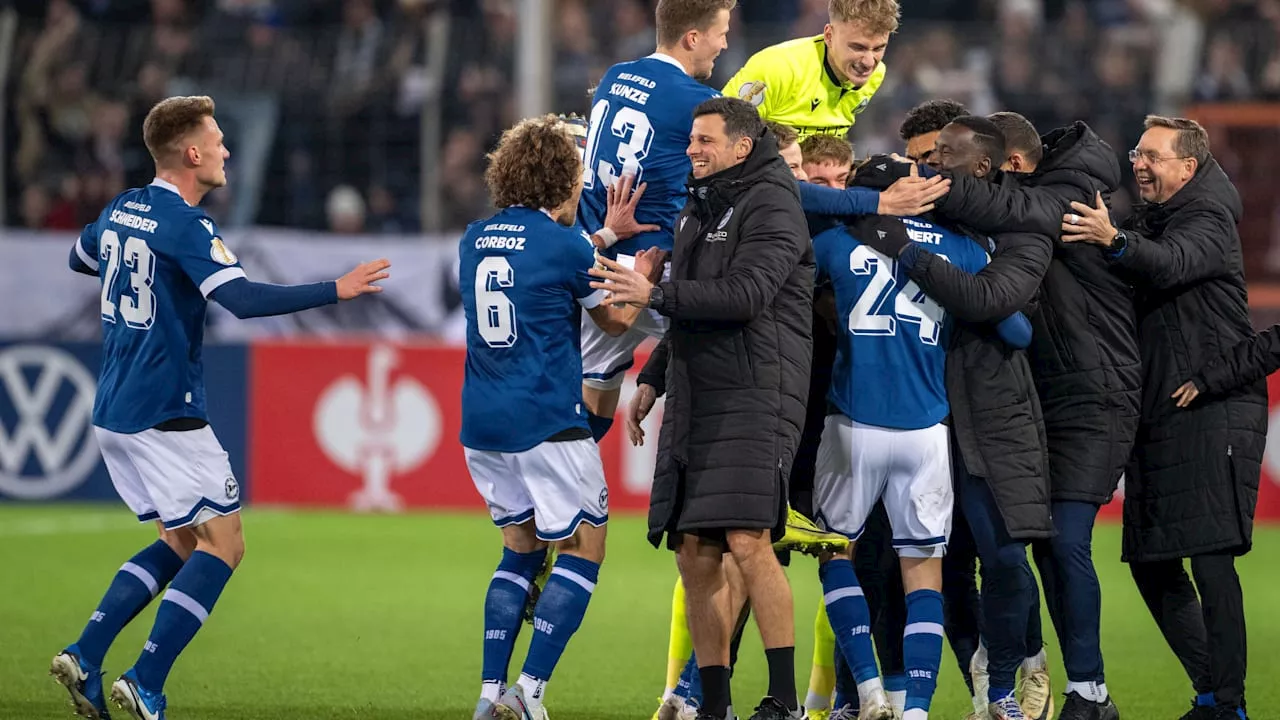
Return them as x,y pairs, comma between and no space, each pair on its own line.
1149,156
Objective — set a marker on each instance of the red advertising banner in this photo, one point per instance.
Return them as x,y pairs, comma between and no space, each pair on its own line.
374,426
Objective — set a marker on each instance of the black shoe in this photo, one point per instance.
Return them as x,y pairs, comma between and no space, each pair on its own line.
772,708
1222,712
1200,712
1078,708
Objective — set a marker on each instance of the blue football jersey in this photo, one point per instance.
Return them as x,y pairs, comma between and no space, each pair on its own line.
641,116
523,278
891,351
158,258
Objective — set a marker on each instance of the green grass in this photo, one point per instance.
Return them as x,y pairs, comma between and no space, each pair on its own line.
340,616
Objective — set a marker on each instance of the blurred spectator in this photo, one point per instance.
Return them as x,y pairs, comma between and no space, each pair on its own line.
345,210
320,98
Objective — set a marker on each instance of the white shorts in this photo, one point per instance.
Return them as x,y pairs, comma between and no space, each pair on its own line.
911,469
558,484
606,359
178,477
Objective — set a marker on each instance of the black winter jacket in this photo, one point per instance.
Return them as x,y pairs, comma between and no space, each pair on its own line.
994,409
1248,362
734,364
1192,486
1084,349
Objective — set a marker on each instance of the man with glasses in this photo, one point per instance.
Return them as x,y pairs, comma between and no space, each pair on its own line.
1191,487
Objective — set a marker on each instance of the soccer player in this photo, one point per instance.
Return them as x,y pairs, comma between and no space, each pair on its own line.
828,160
789,148
528,446
820,84
887,441
641,115
160,258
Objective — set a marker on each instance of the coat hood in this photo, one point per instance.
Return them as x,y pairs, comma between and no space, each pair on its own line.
1210,184
1075,155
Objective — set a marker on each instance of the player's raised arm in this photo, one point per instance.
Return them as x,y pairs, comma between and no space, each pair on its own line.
247,299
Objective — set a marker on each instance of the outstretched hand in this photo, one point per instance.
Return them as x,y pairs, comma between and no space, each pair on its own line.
620,210
360,281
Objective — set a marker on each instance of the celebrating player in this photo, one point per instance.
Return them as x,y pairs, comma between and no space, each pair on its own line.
160,258
639,127
888,442
528,446
820,84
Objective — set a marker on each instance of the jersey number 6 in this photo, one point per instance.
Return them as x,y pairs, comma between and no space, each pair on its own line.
139,312
633,133
495,313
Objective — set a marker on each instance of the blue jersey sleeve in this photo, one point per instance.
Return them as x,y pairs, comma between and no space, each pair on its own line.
205,258
583,258
820,200
85,251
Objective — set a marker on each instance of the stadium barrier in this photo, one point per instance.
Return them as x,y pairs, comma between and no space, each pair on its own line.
369,426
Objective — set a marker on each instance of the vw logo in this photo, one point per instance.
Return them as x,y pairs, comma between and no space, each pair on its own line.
46,441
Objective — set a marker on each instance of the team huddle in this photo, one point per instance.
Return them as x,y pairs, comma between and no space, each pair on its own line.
910,368
922,359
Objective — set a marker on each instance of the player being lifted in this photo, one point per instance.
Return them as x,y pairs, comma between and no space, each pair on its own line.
159,258
885,440
641,115
528,445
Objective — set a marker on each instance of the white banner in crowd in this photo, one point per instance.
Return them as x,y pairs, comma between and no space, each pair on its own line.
43,299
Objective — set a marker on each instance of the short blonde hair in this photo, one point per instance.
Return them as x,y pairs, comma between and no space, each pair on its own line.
172,119
880,16
536,164
832,149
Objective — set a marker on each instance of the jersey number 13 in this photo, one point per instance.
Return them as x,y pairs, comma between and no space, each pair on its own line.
631,133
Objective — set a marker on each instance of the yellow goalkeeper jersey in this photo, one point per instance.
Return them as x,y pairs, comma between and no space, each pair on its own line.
791,83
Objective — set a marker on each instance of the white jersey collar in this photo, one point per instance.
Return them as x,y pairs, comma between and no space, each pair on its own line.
170,187
669,60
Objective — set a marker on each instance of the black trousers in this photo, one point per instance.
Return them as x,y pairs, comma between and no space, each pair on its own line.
1207,631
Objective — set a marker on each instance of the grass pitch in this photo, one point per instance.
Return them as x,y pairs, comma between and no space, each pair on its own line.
342,616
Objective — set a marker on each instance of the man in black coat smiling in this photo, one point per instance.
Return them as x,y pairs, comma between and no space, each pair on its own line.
1192,486
735,369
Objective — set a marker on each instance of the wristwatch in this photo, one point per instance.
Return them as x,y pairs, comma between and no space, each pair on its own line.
656,296
1119,242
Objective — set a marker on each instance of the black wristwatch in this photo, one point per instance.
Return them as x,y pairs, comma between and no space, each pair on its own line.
656,296
1119,243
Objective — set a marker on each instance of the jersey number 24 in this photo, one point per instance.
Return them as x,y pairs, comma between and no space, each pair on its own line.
632,133
910,304
139,311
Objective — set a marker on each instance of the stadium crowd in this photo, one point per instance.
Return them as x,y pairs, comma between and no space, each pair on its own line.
322,100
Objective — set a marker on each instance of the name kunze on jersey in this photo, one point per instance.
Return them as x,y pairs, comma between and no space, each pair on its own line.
158,259
641,115
523,277
891,351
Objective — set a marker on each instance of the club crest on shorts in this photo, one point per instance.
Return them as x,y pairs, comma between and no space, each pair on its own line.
604,499
232,488
220,253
